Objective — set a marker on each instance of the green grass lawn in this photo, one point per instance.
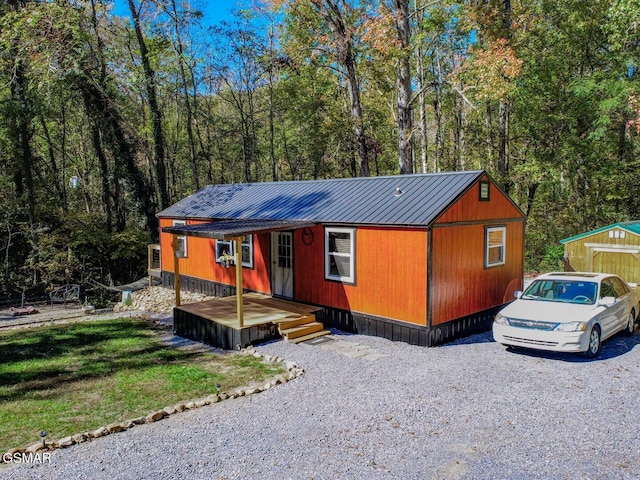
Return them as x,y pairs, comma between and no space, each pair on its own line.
77,377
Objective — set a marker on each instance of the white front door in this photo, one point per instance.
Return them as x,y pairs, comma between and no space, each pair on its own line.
282,264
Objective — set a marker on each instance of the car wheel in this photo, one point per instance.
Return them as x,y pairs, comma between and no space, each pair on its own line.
631,323
593,349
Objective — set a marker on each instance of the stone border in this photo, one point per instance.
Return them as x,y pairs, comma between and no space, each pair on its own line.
292,371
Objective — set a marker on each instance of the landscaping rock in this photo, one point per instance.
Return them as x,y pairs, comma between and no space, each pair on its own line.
66,442
139,420
127,424
155,416
170,410
80,437
158,300
15,450
115,428
100,432
36,447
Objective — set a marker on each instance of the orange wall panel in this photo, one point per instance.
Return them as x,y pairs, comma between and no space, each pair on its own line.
461,285
390,274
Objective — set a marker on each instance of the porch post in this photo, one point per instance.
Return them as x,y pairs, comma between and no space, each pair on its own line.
239,302
176,267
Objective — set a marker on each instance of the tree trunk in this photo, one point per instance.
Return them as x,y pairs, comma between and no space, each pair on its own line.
403,88
504,111
437,110
460,135
58,182
489,139
356,115
503,147
109,124
185,89
19,129
156,112
20,132
422,104
332,14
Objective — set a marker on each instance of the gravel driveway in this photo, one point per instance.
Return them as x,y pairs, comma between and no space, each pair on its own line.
466,410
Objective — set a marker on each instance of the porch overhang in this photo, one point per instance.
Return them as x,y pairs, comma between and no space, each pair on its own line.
227,230
233,229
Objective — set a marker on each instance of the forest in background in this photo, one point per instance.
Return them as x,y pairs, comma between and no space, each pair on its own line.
105,119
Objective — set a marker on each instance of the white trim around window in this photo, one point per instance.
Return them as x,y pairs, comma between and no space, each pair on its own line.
182,239
247,251
495,246
339,254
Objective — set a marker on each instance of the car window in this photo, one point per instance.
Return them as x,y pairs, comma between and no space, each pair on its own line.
607,290
619,286
565,291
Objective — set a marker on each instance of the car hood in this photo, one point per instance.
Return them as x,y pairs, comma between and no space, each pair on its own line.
546,311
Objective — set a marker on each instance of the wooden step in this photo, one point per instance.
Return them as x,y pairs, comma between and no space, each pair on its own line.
299,331
295,322
311,336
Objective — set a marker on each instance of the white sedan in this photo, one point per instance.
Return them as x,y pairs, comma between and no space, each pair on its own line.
568,312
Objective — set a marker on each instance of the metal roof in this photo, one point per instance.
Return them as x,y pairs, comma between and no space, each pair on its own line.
227,229
412,200
632,227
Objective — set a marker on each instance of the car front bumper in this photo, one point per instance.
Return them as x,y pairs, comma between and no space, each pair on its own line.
553,341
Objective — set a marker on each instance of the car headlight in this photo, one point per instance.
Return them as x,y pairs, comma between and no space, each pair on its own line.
501,319
571,327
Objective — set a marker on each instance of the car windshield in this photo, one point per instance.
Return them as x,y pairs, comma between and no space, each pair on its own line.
566,291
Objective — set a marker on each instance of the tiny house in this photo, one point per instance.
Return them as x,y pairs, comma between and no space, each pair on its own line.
611,249
419,258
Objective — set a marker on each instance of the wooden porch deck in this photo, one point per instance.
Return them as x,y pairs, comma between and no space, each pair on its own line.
215,322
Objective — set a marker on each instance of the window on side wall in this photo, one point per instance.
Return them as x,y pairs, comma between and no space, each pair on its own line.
228,248
339,247
495,239
182,240
224,250
247,251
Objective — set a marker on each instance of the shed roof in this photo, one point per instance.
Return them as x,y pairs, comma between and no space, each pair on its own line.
412,200
632,226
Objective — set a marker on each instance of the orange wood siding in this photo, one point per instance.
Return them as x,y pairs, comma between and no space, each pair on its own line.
461,285
201,260
390,274
469,208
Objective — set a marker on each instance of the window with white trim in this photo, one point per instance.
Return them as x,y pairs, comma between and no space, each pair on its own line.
339,258
227,248
247,251
182,240
224,251
495,238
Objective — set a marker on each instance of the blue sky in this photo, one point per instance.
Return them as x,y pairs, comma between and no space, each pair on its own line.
214,11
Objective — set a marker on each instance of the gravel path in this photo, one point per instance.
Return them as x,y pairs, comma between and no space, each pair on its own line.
467,410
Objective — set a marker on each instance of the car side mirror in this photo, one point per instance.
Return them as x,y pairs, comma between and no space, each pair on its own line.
607,301
517,293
